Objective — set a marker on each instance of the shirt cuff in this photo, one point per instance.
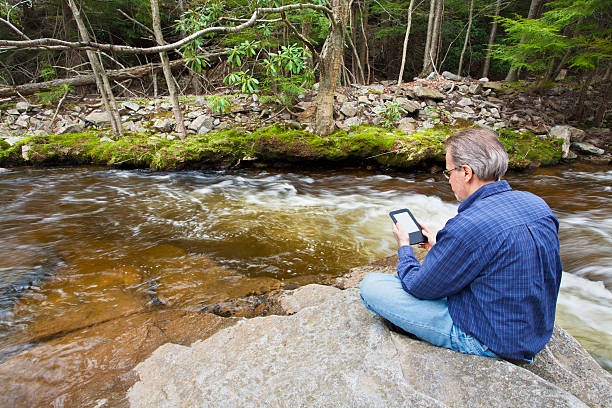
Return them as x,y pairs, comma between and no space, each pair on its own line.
404,252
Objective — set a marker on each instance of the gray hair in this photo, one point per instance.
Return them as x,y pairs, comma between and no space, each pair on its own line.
480,149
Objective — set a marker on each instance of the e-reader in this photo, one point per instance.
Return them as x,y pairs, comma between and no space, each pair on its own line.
409,224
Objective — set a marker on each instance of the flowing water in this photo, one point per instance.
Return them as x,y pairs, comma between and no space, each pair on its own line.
81,246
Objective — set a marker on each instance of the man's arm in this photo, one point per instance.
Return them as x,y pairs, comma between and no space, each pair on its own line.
450,265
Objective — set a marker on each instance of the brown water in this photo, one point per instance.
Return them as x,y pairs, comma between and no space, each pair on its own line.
82,247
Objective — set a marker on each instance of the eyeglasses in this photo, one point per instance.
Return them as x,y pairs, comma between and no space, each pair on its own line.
447,172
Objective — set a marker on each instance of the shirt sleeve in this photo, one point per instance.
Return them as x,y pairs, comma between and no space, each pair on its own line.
450,265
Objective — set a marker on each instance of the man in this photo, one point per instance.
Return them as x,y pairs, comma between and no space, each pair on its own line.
489,283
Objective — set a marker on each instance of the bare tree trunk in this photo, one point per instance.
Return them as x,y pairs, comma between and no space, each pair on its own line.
430,24
159,38
331,64
401,73
436,35
365,51
467,38
487,63
106,91
534,8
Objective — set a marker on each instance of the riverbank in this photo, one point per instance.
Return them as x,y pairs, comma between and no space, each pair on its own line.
378,126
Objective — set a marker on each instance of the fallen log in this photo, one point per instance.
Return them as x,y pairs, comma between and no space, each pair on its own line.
82,80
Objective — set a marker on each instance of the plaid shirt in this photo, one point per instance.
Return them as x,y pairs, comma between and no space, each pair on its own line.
498,263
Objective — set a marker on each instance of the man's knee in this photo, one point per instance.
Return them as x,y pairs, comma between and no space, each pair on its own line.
374,285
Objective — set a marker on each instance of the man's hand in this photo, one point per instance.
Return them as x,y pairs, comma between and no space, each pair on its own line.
431,238
401,236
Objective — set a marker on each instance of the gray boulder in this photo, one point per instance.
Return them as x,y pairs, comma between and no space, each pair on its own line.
407,125
354,121
587,148
451,76
131,106
348,109
163,125
22,106
202,121
428,93
410,106
332,352
98,118
569,134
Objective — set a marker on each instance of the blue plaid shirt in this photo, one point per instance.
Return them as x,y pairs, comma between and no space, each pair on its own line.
498,263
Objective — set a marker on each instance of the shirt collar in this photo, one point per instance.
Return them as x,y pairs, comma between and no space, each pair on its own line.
485,191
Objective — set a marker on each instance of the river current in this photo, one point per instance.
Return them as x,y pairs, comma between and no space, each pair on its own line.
80,246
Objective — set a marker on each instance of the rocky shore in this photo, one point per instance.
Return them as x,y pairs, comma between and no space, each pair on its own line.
326,349
257,131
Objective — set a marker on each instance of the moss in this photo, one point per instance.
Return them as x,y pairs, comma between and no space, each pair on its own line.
363,145
529,150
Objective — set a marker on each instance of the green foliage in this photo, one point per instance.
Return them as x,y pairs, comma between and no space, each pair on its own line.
573,28
240,52
219,103
53,95
391,113
247,83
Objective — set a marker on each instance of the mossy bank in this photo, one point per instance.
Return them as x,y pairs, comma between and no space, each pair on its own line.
276,145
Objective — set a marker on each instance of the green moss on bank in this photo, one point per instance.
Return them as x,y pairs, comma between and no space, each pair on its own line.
363,145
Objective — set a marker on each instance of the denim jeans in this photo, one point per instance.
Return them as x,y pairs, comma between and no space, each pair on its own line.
429,320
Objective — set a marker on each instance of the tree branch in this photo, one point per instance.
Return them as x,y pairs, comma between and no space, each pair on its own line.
42,43
305,40
18,31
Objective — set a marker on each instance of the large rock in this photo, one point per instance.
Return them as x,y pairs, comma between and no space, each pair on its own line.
587,148
98,118
202,121
333,352
451,76
428,93
348,109
569,134
408,105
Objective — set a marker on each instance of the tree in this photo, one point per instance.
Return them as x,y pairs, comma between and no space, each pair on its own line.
487,63
467,37
401,73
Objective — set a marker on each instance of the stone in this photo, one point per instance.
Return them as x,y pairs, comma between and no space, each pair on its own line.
428,93
451,76
163,125
22,106
23,121
495,113
475,89
364,98
410,106
106,139
25,152
348,109
485,79
372,97
377,88
354,121
341,98
469,110
587,148
465,102
329,350
14,112
431,76
406,126
98,118
569,134
166,106
72,128
205,121
131,106
13,139
492,85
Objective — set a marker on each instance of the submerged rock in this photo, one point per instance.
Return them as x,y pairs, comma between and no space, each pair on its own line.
334,352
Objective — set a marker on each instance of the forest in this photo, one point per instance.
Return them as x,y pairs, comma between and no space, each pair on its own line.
62,48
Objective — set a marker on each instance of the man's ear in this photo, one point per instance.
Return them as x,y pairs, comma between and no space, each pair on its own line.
468,173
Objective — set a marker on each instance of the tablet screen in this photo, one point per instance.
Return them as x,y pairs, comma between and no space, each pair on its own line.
405,220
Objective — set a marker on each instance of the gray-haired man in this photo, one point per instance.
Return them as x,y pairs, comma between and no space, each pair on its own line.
489,283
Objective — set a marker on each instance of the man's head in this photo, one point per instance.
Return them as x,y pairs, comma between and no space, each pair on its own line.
474,157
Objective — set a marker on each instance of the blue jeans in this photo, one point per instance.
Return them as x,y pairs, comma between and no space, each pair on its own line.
429,320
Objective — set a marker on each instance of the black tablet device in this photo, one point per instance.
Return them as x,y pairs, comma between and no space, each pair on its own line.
408,223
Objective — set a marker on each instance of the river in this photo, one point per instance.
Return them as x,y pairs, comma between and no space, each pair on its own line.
84,245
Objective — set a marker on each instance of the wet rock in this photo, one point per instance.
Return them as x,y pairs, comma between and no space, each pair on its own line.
22,106
587,148
78,369
428,93
601,159
98,119
451,76
289,361
25,152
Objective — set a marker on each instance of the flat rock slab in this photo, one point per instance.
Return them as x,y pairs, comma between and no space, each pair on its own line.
334,353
